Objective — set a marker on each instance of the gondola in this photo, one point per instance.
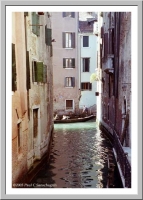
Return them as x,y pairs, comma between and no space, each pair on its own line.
74,120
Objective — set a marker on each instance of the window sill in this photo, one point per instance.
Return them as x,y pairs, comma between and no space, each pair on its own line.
68,48
38,83
68,87
69,68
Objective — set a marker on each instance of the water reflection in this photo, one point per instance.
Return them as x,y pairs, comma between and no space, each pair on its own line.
78,157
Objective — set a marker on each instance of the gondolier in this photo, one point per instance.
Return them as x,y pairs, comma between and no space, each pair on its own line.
85,110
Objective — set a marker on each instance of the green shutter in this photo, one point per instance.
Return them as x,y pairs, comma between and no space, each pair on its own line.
49,36
37,27
39,71
27,71
14,83
46,39
45,74
34,20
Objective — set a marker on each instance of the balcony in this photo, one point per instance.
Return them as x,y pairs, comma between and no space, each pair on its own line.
109,67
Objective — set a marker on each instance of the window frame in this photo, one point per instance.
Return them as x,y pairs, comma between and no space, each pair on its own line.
68,40
39,75
83,42
83,65
71,108
68,63
87,87
72,82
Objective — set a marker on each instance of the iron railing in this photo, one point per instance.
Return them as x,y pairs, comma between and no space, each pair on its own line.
122,159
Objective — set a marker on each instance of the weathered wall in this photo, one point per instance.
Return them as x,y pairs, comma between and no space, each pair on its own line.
19,99
40,94
25,100
116,105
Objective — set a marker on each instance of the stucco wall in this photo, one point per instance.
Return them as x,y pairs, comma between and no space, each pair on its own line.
19,99
62,24
88,98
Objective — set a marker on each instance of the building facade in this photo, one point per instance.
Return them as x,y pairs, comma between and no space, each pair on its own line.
114,85
87,63
65,62
32,83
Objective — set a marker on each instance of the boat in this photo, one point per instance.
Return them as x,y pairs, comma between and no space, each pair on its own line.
74,120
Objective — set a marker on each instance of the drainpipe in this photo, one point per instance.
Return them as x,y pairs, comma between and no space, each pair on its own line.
80,38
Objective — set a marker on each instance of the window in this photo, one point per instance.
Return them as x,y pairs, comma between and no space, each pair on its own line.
35,123
86,63
69,104
48,36
105,45
28,86
68,40
35,22
68,62
14,82
85,41
19,136
69,14
86,86
69,81
39,72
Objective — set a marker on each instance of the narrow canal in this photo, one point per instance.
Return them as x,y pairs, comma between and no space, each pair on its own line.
78,158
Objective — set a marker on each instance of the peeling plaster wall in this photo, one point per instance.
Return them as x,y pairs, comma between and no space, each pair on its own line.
40,95
19,99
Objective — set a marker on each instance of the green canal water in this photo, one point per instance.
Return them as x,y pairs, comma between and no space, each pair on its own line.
78,158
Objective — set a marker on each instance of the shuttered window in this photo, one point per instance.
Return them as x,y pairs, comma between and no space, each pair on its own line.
35,122
86,86
19,136
39,72
111,41
28,86
69,81
68,62
105,45
48,36
86,64
85,41
102,32
68,40
14,79
35,23
69,14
